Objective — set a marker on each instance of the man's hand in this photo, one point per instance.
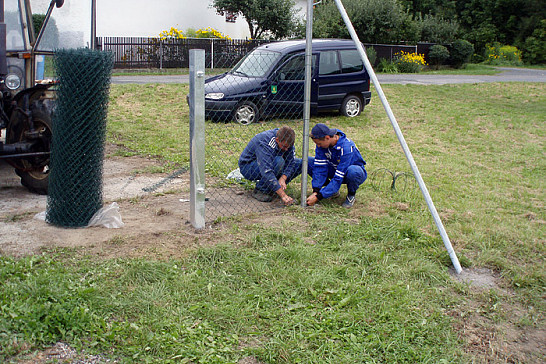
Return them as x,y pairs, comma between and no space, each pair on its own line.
312,199
282,182
286,200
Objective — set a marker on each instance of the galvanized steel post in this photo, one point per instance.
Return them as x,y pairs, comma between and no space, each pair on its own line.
307,100
197,138
400,137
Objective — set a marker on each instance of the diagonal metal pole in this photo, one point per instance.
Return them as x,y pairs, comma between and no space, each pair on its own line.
400,137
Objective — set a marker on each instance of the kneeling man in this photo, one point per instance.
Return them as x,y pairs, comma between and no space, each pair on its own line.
269,159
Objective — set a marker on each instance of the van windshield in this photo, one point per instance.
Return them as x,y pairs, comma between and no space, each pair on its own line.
256,63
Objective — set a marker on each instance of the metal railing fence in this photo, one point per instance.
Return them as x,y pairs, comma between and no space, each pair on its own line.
146,52
139,52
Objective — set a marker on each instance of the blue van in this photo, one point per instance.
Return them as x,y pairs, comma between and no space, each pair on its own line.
269,81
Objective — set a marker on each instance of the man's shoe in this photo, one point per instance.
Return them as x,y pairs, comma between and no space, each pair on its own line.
262,196
349,201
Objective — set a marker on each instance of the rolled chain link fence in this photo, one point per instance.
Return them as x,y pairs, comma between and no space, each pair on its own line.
229,129
79,126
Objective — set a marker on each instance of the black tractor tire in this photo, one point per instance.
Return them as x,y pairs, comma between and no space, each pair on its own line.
246,113
351,106
34,171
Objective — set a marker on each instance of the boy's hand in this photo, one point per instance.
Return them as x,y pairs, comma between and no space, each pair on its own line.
312,199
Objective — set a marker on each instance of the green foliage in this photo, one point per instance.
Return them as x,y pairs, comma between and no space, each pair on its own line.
37,21
508,22
371,54
264,17
375,21
498,54
438,54
534,50
387,66
436,29
43,302
461,52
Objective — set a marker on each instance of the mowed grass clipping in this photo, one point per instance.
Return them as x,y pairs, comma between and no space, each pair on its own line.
322,285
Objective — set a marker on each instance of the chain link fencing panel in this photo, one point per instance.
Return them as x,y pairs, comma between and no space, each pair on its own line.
239,104
79,127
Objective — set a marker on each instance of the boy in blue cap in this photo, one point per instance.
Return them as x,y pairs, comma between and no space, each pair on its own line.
337,161
269,159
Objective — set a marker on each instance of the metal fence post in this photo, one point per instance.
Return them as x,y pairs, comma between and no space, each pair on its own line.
160,54
307,101
212,54
197,138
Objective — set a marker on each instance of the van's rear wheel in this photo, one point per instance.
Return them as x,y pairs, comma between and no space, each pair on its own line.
246,113
351,106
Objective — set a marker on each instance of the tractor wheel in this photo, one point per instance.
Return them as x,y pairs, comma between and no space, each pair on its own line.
34,171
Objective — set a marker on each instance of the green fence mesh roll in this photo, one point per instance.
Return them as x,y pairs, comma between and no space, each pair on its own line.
79,128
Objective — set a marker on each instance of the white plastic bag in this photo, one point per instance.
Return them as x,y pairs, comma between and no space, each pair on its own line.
108,216
236,175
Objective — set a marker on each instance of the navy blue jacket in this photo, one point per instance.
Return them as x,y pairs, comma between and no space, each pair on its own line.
263,148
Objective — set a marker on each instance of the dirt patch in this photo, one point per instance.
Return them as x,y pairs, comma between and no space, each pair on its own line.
490,340
154,208
480,277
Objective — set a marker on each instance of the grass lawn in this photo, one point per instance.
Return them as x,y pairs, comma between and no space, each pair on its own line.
321,285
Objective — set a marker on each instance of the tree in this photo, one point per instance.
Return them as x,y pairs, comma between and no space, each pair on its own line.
534,50
436,29
50,40
264,17
375,21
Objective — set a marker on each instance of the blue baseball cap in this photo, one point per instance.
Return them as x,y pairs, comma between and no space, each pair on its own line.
321,130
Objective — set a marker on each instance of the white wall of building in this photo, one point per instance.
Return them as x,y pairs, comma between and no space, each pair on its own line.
148,18
142,18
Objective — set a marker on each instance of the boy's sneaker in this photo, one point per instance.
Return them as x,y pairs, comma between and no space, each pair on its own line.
349,201
262,196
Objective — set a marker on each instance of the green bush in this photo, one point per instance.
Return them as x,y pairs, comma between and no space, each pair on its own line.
386,66
438,54
498,54
461,51
534,51
372,55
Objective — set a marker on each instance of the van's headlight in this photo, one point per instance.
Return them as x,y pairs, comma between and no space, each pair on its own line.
13,81
215,96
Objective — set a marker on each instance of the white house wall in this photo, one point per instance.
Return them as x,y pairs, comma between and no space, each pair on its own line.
141,18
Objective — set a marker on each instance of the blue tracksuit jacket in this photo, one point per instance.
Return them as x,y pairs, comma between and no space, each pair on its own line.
337,159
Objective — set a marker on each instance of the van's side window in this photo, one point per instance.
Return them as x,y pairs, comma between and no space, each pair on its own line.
329,63
351,61
294,69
